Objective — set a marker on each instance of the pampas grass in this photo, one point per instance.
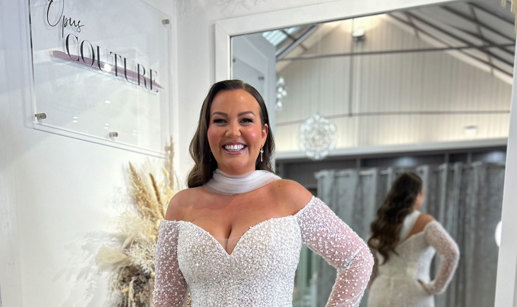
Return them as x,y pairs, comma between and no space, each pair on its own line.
132,260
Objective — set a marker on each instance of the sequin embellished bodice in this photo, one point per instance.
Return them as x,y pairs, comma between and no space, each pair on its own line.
261,268
257,272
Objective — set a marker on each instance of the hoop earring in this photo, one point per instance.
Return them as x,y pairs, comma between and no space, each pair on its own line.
261,154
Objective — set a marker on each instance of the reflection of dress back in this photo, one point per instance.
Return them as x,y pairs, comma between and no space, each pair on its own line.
413,255
396,283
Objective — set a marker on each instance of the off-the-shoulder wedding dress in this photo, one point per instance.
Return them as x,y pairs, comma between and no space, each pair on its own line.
261,268
396,283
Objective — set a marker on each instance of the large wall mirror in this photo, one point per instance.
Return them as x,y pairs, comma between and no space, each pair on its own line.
355,101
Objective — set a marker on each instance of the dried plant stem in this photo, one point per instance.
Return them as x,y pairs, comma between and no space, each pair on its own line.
155,188
132,260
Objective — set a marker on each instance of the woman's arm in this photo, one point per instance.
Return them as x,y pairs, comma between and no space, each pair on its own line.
375,269
445,246
326,234
170,288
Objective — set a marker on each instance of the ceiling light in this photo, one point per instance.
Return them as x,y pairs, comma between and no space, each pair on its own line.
471,131
358,34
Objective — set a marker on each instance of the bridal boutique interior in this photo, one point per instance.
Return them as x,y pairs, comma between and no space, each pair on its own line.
358,91
359,100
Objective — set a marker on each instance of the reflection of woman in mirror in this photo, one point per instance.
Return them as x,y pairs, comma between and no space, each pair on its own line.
404,242
234,237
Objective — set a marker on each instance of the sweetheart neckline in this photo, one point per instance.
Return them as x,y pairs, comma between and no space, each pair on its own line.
214,239
311,202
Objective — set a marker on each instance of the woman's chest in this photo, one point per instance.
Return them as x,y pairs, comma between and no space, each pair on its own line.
268,249
229,217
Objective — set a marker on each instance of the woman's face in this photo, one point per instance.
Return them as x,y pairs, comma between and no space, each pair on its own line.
235,131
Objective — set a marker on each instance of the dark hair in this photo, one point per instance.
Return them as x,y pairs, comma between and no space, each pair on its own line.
205,163
398,204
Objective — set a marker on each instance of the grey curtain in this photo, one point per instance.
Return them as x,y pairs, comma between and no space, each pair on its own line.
465,198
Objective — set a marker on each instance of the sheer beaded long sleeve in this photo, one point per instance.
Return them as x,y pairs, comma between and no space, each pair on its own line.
170,288
445,246
326,234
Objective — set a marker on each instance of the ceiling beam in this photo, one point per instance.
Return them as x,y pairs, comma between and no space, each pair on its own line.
478,28
491,42
282,53
463,52
478,22
456,37
288,35
498,16
392,51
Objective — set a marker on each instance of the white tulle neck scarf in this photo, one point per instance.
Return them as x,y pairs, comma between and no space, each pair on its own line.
230,184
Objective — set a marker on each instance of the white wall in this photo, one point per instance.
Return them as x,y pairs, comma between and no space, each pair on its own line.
59,196
194,76
394,83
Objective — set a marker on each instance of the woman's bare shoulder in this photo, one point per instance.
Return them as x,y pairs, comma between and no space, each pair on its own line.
422,220
181,203
291,194
425,218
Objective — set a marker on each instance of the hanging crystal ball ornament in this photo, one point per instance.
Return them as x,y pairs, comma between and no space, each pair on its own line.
317,137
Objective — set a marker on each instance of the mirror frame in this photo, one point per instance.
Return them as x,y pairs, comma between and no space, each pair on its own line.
343,9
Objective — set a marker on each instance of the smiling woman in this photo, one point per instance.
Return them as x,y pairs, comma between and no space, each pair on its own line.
225,95
236,133
234,237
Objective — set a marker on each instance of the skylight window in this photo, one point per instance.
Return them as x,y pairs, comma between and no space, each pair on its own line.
277,37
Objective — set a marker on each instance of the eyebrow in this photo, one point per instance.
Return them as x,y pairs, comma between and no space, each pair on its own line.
240,114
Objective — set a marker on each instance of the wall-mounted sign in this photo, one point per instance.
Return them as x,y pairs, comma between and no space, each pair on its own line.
101,71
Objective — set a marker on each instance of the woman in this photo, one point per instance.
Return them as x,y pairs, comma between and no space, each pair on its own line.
234,237
404,242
